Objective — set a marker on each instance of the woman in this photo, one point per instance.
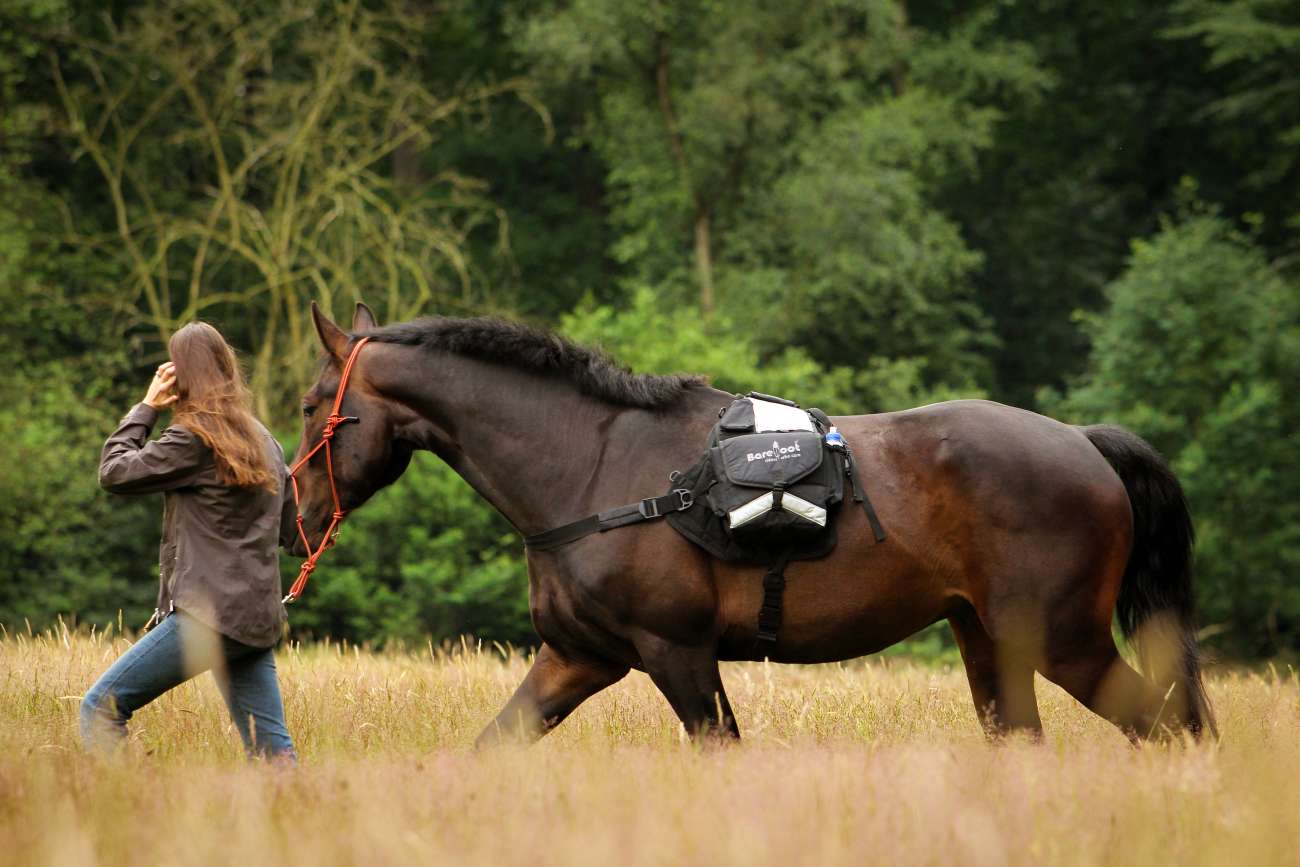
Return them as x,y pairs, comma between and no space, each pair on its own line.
223,480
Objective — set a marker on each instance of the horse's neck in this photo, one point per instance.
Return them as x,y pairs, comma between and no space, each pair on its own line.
536,448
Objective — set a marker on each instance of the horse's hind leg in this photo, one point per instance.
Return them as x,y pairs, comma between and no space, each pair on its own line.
553,687
1091,669
688,677
1001,678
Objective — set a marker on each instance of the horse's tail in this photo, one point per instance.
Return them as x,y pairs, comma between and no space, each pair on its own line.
1156,607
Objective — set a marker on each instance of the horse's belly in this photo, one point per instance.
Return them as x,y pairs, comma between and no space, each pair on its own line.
848,639
860,600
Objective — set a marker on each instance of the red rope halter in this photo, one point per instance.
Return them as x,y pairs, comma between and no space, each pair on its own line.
331,533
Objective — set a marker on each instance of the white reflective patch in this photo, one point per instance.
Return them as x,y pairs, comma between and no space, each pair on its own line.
804,509
751,510
770,416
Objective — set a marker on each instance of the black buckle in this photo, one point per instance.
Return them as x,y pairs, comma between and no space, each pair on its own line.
649,507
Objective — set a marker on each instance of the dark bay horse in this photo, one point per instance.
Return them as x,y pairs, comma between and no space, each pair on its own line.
1025,534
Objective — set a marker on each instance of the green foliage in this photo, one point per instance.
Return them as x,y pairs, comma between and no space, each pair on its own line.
426,558
657,337
933,646
880,273
65,547
863,205
1196,351
1075,171
1254,50
250,156
790,155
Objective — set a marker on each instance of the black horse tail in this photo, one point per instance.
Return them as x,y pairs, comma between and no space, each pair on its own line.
1156,606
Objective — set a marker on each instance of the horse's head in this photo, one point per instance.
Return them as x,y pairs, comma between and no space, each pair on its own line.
366,453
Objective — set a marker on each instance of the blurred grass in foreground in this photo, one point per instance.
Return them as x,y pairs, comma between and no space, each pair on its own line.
873,761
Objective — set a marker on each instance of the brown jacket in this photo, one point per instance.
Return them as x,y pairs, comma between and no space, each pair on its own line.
219,555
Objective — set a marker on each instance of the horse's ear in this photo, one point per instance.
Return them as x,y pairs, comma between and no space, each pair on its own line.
363,319
333,338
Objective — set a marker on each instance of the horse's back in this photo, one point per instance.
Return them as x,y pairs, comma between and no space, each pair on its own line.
994,468
991,446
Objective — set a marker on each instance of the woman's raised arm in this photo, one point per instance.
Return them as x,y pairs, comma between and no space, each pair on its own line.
130,464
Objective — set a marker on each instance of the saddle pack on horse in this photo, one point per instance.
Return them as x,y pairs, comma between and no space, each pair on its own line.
766,491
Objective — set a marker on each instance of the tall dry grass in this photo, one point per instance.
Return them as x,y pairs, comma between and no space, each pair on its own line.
858,763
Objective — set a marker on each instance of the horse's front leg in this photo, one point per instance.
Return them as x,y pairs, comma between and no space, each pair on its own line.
553,687
688,677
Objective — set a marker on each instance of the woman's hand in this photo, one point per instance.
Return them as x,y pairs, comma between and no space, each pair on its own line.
160,394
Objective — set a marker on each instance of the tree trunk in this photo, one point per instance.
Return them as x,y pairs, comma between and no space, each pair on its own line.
703,214
898,74
704,258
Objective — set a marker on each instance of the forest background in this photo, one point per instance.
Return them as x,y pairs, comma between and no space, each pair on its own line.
1088,209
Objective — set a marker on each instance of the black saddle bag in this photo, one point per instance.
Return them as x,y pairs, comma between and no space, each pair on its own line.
765,491
772,485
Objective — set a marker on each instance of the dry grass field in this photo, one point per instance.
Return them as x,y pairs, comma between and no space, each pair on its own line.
872,762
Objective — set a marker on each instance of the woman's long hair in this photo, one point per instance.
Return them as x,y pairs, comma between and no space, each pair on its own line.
215,404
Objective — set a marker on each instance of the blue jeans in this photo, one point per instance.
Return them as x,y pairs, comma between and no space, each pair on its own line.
174,651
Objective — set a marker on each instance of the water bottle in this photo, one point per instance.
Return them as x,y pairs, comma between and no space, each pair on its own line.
834,439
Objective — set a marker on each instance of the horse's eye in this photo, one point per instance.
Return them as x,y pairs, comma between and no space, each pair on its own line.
308,409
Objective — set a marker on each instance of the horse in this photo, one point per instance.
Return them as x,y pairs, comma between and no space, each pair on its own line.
1026,534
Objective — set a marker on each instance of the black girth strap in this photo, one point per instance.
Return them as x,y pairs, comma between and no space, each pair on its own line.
769,615
634,513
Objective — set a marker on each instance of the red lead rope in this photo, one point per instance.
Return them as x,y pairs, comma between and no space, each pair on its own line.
327,434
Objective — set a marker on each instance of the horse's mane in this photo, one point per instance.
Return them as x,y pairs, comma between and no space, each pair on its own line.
490,339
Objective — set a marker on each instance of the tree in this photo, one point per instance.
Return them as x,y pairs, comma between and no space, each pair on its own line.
788,157
64,546
244,151
550,191
679,123
1253,50
1196,351
652,338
